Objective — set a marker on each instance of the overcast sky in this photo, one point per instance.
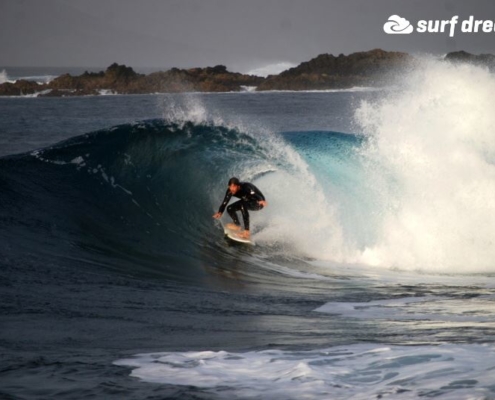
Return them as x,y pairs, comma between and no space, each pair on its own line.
240,34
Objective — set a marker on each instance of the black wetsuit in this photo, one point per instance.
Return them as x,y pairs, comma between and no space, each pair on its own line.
250,195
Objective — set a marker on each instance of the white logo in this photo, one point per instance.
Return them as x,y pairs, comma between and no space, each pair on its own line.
397,25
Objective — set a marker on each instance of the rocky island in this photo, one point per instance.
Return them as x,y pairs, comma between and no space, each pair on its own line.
329,72
121,79
370,68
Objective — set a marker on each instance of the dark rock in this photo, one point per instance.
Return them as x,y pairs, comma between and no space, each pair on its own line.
210,79
116,77
20,88
125,80
487,60
329,72
120,72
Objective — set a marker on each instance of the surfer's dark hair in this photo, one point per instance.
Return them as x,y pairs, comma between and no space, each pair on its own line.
234,181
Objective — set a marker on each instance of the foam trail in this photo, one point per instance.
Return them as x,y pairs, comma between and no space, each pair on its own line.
431,156
344,372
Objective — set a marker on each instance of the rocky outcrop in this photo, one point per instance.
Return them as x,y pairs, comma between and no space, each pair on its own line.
487,60
371,68
210,79
329,72
124,80
19,88
116,78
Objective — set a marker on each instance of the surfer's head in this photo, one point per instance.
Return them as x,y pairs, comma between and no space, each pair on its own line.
234,185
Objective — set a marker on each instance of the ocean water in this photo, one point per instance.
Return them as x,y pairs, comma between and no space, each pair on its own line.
373,273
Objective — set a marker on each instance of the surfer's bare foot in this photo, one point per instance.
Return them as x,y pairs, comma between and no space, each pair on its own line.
234,227
244,235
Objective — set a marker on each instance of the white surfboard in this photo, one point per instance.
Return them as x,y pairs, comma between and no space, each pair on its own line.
234,235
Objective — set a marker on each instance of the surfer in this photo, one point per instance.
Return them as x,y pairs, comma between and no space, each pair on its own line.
251,199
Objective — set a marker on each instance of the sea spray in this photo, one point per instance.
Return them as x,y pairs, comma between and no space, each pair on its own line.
271,69
431,152
4,77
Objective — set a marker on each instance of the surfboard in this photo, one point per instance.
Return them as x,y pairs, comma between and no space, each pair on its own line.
234,235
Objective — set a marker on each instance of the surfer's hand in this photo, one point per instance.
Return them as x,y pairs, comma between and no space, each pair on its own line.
262,203
217,215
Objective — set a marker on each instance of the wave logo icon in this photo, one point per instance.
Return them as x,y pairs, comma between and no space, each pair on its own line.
397,26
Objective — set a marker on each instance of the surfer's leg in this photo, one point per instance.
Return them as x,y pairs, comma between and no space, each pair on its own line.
245,214
232,210
254,205
245,206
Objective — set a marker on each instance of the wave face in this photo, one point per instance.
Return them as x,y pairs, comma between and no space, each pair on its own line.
139,193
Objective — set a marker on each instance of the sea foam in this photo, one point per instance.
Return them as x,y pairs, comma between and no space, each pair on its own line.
431,158
343,372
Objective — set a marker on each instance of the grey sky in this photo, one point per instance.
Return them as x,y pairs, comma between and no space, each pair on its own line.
240,34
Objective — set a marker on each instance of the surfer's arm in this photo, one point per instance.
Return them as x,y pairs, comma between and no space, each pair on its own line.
253,192
258,196
228,196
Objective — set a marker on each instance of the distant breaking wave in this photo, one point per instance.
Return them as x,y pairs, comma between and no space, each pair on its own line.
4,77
271,69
